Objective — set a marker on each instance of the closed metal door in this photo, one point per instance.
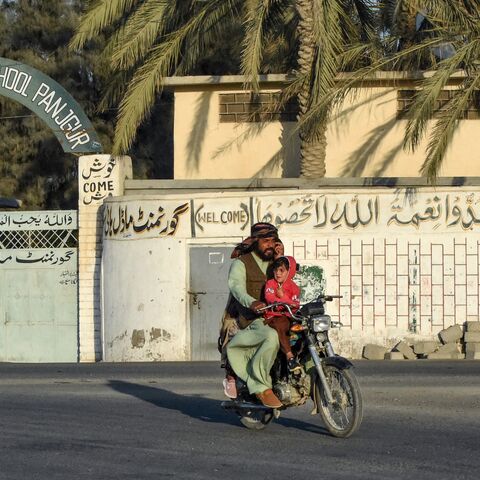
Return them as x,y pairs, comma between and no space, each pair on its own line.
39,309
38,287
208,295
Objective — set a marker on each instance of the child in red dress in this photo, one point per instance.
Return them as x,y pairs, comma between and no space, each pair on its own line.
282,288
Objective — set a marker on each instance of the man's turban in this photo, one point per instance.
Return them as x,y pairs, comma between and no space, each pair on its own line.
258,230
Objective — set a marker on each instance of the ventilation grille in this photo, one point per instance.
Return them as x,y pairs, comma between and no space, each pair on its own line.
38,239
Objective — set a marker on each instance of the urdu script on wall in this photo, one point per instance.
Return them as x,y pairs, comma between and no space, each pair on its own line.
402,210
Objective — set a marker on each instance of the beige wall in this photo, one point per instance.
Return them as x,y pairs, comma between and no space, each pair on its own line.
206,148
364,139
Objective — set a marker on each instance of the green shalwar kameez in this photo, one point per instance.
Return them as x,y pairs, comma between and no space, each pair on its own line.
252,351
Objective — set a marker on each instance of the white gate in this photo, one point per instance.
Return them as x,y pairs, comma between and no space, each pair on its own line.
38,286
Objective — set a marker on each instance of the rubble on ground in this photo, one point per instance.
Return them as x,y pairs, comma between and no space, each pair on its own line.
455,342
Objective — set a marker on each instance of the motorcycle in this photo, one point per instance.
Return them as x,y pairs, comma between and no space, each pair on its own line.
326,378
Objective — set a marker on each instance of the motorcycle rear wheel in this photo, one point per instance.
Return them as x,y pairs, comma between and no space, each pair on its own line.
344,416
257,420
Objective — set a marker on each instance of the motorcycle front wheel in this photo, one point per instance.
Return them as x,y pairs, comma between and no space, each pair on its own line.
343,416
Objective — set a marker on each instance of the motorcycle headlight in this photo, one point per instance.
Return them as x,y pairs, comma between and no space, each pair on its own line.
321,323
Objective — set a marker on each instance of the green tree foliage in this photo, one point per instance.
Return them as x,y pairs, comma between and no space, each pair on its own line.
33,166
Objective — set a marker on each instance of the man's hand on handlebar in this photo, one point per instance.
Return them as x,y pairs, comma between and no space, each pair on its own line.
287,307
257,306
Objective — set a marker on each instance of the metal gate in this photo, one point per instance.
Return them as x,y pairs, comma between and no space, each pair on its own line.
38,286
208,294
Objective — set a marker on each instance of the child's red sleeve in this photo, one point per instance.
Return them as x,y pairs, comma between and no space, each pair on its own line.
271,291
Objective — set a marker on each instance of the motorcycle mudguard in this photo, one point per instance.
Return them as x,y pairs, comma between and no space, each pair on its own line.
338,361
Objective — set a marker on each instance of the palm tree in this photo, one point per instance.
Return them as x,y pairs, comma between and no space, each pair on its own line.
437,36
153,39
313,148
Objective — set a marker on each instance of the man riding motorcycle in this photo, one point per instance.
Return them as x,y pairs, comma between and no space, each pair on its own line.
252,351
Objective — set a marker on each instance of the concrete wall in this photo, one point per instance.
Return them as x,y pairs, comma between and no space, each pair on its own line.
406,260
99,176
364,137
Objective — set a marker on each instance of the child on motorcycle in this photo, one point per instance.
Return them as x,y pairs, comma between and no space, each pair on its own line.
282,288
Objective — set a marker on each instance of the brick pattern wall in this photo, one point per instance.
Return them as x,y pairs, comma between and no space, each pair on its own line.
407,285
89,275
250,107
405,99
96,174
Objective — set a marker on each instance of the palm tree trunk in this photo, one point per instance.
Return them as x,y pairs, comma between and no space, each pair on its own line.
312,150
405,24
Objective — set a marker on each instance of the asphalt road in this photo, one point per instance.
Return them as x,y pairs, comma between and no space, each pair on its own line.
155,421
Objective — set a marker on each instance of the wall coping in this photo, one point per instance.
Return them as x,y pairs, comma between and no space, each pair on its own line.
277,79
135,187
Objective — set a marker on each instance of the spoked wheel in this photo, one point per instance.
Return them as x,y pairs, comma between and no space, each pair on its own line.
343,416
257,419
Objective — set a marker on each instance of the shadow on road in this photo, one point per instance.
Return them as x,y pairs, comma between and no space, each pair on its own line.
314,427
201,408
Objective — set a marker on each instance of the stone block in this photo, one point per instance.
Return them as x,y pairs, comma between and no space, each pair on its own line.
448,348
473,337
472,355
445,356
473,326
394,356
440,356
472,347
405,349
451,334
374,352
424,348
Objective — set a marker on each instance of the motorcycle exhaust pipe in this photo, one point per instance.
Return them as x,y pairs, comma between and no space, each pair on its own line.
234,405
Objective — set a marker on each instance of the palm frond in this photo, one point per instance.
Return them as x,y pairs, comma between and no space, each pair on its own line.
334,28
147,82
103,14
211,22
139,33
257,13
113,93
357,79
460,15
142,92
422,109
446,125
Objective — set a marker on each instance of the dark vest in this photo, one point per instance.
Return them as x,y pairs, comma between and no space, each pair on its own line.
255,287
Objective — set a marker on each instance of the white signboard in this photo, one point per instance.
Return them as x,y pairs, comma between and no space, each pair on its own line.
47,220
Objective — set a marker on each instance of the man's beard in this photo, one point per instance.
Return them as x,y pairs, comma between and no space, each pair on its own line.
267,255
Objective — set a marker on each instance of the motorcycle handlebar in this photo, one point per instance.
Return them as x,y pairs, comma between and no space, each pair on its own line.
329,298
326,298
274,305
